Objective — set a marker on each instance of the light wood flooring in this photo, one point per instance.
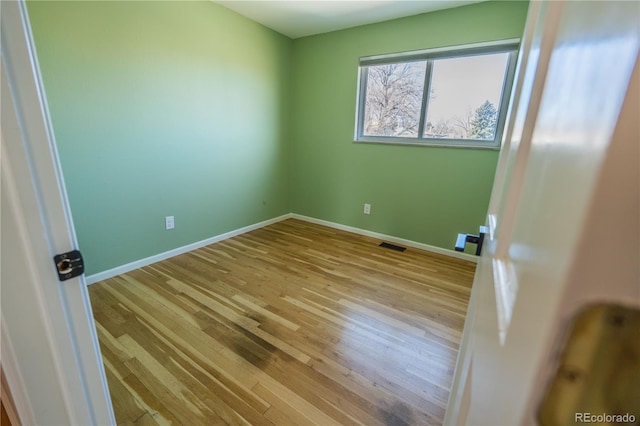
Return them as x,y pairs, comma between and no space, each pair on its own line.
294,323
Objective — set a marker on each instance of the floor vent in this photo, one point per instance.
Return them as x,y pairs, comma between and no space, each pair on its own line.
392,247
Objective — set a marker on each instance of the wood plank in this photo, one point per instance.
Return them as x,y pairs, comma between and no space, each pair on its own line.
294,323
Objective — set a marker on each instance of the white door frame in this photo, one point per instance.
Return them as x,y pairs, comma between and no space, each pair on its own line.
524,113
67,352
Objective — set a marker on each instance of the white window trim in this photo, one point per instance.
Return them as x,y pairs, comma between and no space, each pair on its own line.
509,45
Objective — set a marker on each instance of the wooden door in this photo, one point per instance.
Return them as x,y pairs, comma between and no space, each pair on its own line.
50,351
564,216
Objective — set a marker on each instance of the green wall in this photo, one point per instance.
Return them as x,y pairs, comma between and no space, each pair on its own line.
164,108
188,109
424,194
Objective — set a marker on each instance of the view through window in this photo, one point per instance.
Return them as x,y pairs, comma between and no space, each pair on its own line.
443,97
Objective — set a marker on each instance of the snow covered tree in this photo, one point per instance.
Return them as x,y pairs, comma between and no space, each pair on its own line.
394,97
483,124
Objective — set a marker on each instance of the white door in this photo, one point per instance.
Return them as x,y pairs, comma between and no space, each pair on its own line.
50,351
564,216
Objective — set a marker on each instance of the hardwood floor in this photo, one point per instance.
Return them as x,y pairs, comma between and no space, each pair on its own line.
293,323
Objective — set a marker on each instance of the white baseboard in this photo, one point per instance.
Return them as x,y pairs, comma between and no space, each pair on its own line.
110,273
390,238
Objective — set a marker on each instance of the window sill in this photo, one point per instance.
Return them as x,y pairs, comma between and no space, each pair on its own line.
440,143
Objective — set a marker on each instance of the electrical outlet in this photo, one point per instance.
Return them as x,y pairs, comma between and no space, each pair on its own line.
169,222
367,208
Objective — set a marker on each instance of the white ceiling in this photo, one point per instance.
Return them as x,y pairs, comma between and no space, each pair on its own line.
299,18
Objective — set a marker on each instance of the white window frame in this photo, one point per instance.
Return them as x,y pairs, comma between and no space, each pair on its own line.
510,46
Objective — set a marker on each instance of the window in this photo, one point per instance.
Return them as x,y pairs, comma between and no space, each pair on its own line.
448,97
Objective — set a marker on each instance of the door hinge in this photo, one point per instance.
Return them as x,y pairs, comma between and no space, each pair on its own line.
69,265
478,240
